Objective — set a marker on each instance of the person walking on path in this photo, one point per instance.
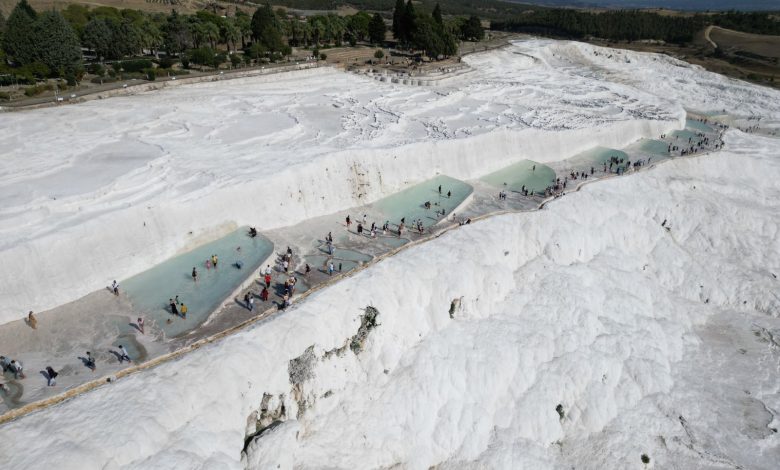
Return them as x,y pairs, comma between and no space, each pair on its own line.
90,362
115,287
123,356
249,301
32,321
349,222
267,280
18,369
141,325
264,295
51,375
331,268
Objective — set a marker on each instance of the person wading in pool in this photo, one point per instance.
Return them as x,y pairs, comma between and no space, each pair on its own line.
194,274
174,310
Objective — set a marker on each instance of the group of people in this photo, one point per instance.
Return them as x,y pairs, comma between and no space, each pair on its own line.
177,307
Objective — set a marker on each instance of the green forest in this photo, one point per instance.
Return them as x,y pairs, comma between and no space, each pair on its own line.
119,44
628,25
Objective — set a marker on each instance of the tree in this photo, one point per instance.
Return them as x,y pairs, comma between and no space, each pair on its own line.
19,36
176,34
358,26
265,29
408,26
398,13
56,42
437,15
232,34
244,23
97,37
377,29
472,29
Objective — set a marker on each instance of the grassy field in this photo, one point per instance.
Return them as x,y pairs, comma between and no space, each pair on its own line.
735,42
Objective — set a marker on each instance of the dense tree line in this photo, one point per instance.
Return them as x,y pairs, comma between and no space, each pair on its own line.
430,33
45,41
491,9
629,25
50,44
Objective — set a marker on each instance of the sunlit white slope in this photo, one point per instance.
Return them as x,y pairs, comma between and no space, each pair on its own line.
108,188
589,304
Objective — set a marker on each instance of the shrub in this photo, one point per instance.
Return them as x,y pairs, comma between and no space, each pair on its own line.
235,60
137,65
38,69
323,56
97,69
37,89
70,77
379,54
151,74
103,80
202,56
645,459
166,62
5,96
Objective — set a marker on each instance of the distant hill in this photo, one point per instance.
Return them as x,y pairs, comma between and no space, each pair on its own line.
489,9
684,5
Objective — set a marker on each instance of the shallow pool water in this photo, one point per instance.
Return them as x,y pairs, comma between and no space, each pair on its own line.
656,147
534,176
410,203
682,136
697,125
150,290
596,156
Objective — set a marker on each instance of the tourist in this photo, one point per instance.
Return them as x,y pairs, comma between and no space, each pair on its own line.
115,287
17,368
339,267
214,261
349,222
194,274
449,194
32,321
183,310
50,376
331,268
174,310
140,323
360,228
208,263
439,189
268,270
307,270
5,363
264,294
267,280
123,356
90,362
249,301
